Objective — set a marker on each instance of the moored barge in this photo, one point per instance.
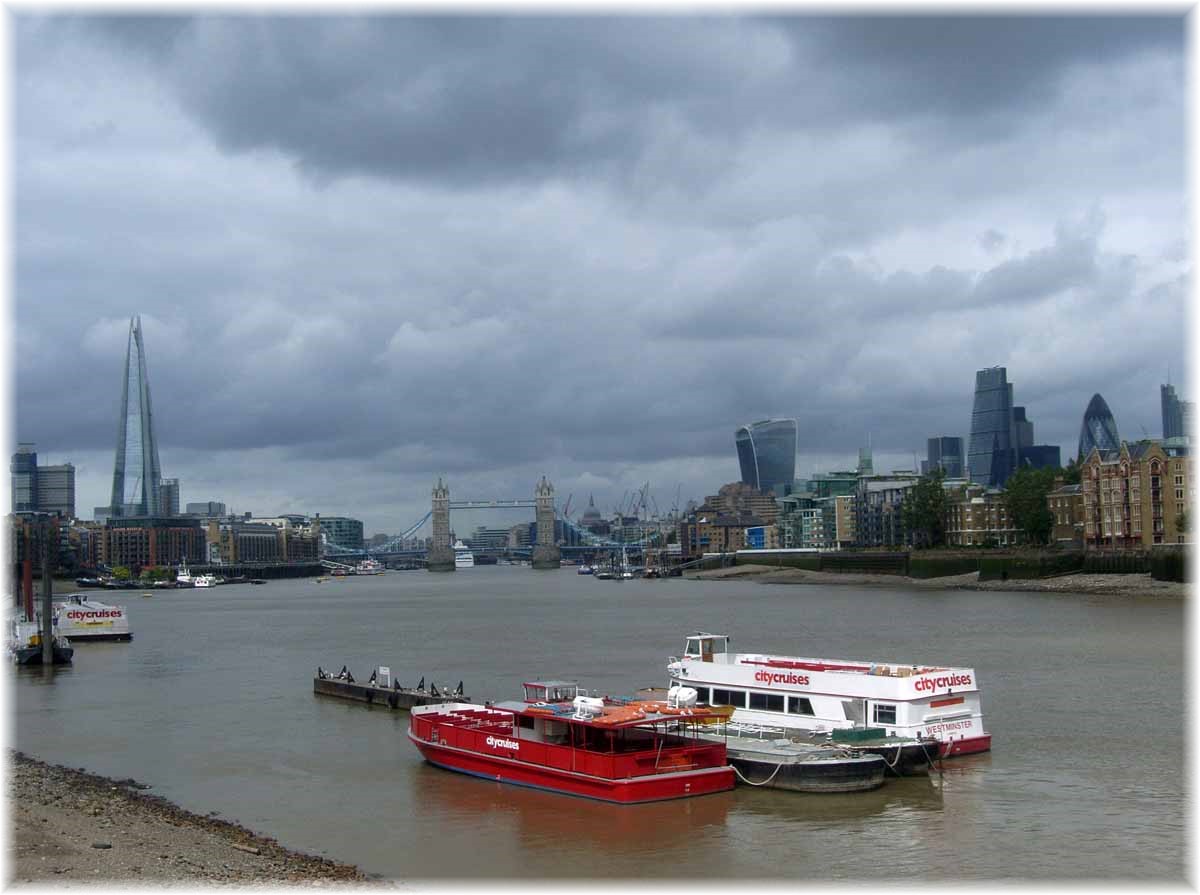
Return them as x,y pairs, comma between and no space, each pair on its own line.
380,689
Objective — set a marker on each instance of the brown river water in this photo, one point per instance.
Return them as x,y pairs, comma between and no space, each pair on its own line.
211,704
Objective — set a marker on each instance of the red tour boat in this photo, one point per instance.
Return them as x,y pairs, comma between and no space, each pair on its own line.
563,741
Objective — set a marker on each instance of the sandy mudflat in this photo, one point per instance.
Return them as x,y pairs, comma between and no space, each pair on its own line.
1116,585
71,828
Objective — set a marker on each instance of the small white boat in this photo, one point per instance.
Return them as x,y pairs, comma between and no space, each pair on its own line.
370,567
463,557
183,578
81,618
204,581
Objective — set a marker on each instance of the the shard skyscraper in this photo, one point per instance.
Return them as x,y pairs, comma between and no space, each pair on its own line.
136,474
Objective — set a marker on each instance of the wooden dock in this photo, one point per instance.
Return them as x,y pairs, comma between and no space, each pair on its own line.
376,694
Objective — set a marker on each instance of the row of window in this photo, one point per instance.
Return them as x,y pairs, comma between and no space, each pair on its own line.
766,702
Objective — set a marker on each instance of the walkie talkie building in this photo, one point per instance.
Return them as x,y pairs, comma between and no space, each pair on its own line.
767,454
136,476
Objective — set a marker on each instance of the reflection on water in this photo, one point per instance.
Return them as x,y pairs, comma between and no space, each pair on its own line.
537,822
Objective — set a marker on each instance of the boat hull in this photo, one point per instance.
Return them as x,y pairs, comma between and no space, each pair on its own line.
32,655
857,774
626,791
966,746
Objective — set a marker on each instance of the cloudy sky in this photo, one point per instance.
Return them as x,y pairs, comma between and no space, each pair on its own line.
371,251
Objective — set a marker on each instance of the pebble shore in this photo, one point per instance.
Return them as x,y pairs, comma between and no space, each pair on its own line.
1140,585
72,828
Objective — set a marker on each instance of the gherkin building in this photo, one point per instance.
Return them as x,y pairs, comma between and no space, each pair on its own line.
1099,429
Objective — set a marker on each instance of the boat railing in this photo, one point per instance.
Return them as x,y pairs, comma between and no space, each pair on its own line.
761,731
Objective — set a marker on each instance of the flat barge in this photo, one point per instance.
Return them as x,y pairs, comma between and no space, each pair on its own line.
380,690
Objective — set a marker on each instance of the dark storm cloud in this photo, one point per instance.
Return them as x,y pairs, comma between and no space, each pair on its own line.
520,98
368,252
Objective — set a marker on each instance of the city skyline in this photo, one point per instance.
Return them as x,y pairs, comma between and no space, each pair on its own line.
600,284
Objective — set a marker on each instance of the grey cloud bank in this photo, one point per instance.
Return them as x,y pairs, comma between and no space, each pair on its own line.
369,251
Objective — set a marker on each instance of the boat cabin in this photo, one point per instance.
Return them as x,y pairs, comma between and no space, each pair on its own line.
550,691
704,646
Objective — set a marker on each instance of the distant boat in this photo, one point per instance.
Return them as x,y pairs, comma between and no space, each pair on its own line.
463,557
585,569
370,567
183,578
205,581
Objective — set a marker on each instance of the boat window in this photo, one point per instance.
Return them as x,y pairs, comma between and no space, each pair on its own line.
701,693
885,714
736,698
527,723
771,702
800,705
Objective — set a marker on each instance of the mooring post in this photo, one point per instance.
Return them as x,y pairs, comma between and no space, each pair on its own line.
47,625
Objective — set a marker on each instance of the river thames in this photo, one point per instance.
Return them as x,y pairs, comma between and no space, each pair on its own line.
211,704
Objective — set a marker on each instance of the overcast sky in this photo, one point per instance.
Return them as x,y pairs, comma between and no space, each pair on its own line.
371,251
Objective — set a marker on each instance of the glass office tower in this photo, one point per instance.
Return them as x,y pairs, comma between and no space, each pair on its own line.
992,452
1172,413
136,478
767,454
1099,429
945,453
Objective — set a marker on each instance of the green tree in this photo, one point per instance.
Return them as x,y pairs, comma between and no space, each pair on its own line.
1072,472
1025,499
924,511
1182,522
121,573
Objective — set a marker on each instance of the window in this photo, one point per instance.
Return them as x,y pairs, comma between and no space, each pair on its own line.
701,692
736,698
799,705
770,702
885,714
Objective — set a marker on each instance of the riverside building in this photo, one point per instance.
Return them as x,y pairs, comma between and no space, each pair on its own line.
1136,496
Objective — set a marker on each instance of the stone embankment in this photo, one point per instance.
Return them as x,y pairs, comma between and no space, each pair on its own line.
1076,583
70,827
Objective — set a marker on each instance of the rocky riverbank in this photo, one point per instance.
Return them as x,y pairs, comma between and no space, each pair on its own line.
69,827
1077,583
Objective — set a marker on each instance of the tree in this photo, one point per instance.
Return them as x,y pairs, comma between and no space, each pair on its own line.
1181,523
121,573
1073,472
1025,495
924,511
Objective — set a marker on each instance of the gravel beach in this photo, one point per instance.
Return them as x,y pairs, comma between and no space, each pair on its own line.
1078,583
71,828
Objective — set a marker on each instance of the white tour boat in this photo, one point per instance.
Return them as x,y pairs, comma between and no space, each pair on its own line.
81,619
827,695
463,557
370,567
183,578
204,581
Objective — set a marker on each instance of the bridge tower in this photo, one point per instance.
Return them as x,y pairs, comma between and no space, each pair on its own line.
546,554
441,553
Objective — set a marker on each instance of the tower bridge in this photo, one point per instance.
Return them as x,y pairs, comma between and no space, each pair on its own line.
439,557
